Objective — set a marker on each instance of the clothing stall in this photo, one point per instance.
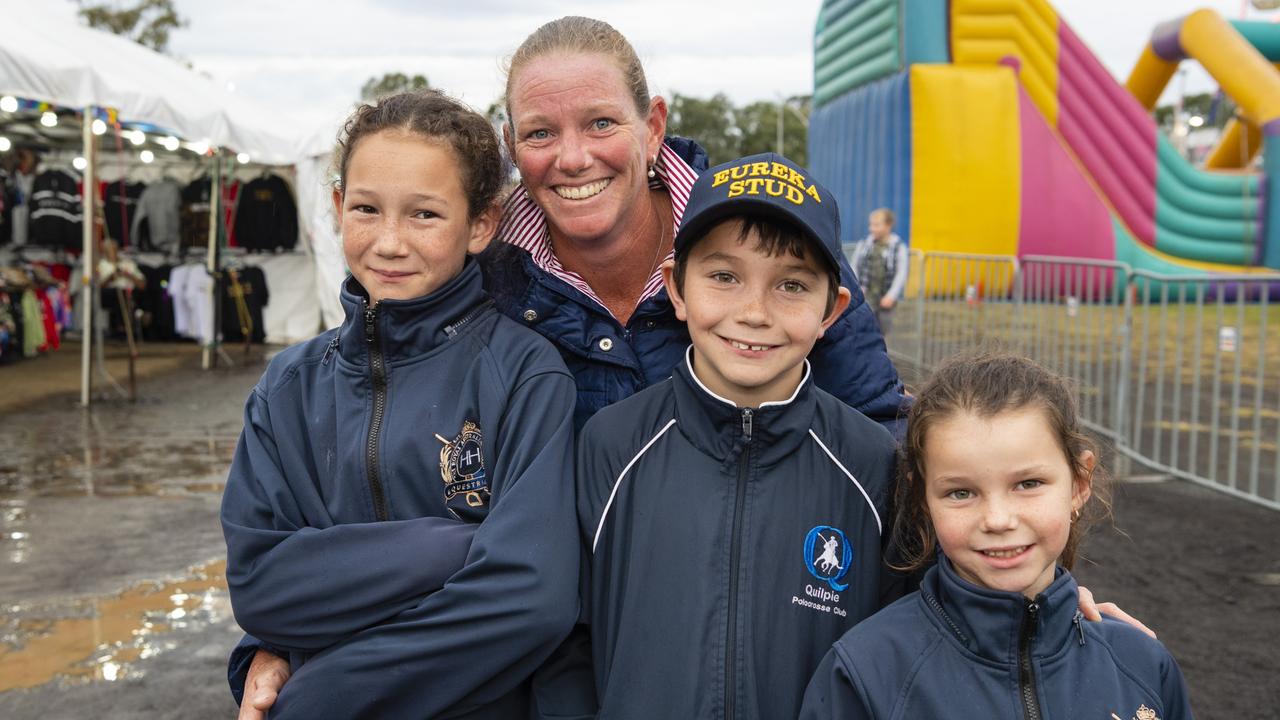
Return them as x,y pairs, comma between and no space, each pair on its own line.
170,167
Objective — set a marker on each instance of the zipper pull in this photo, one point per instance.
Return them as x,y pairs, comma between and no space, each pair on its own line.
333,345
370,323
1079,628
747,414
1033,615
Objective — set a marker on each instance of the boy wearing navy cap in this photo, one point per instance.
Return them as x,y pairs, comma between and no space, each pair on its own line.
734,514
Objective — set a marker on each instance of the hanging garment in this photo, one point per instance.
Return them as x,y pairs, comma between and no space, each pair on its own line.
158,210
266,215
251,286
33,337
20,216
195,213
230,195
198,289
8,328
6,208
120,205
49,320
56,211
178,297
155,304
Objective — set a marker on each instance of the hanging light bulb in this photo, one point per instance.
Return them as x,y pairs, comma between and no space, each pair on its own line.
242,158
9,103
146,156
49,119
137,137
5,144
98,127
199,148
170,143
79,163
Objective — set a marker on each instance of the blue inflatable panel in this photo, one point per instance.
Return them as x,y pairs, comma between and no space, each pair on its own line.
860,148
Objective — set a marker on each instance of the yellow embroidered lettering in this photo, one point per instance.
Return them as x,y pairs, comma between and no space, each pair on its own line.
721,178
812,191
797,178
780,171
739,172
753,185
794,195
735,188
760,168
773,187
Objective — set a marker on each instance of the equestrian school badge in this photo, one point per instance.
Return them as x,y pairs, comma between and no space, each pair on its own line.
462,469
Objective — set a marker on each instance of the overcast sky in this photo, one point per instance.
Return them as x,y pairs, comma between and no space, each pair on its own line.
310,57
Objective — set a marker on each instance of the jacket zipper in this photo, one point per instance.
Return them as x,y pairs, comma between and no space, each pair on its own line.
735,561
454,328
378,373
937,607
1026,674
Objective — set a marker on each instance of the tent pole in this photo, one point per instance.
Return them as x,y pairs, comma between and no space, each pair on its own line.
87,287
211,258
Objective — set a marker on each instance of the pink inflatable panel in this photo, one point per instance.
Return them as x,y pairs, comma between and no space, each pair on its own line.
1061,213
1110,132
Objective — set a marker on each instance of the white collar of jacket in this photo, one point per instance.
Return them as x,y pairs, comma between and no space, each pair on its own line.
408,329
715,425
987,622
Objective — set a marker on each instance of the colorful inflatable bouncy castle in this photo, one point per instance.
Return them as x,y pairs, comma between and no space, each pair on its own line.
989,127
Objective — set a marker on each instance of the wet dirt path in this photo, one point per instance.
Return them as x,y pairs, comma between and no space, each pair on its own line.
111,557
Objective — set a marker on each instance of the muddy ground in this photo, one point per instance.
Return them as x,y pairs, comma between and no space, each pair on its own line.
115,607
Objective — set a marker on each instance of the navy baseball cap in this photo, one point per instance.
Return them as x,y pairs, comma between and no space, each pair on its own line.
767,185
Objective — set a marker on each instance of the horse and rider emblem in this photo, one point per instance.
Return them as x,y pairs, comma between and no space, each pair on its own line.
828,555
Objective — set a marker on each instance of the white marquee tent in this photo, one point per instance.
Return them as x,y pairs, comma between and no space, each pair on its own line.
48,57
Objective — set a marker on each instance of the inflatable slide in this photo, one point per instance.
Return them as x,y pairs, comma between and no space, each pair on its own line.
988,126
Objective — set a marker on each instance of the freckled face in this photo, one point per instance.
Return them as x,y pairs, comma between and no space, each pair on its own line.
752,318
404,216
1000,494
582,148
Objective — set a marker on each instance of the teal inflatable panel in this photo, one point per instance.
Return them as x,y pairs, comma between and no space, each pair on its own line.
925,36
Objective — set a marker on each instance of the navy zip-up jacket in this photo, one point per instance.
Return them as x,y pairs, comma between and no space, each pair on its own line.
850,360
729,547
956,650
399,514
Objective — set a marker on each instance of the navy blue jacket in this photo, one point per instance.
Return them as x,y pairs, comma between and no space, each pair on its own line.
956,650
729,547
850,361
399,514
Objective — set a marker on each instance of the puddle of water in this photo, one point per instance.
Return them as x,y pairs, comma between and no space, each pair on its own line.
133,467
109,635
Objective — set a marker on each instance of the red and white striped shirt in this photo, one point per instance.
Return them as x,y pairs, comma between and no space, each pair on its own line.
525,226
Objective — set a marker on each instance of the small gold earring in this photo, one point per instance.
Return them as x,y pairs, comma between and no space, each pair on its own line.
1075,515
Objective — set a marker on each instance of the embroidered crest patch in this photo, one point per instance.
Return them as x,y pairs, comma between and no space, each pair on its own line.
1143,713
462,467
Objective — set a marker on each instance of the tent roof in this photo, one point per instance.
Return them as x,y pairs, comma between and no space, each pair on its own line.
48,57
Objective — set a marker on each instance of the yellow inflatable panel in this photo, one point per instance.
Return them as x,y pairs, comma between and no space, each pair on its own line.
985,31
1245,76
964,199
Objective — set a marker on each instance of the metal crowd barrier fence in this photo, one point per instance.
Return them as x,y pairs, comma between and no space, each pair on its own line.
953,301
1171,368
1202,403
